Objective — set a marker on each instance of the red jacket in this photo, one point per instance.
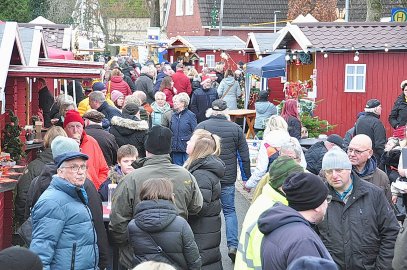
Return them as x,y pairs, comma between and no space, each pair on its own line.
97,166
182,82
169,94
117,83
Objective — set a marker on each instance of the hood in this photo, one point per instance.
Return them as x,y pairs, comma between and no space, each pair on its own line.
210,163
146,75
229,80
401,98
115,174
47,172
116,79
263,106
126,126
46,156
154,216
162,109
278,216
369,168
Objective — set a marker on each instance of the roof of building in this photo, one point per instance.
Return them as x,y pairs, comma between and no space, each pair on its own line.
55,35
202,43
33,44
262,43
345,36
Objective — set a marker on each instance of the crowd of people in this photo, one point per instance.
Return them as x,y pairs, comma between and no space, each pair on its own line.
163,135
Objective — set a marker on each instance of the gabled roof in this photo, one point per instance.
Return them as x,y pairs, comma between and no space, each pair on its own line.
55,35
345,36
244,12
33,45
203,43
262,43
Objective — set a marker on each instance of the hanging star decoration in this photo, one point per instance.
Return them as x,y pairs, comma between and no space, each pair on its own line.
214,15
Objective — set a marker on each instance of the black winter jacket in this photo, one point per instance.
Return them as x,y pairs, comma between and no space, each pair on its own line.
157,223
46,100
207,224
233,142
398,114
294,127
371,125
33,170
314,157
145,83
287,236
182,125
106,141
361,233
130,130
201,100
41,183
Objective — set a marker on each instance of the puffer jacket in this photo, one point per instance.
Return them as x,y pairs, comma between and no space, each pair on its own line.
182,82
398,114
201,101
106,141
169,94
371,125
117,83
33,170
264,109
158,112
314,157
233,142
63,234
207,224
129,130
361,233
232,95
287,236
145,83
156,223
182,125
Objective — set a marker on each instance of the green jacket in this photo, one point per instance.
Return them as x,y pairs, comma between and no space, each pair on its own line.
188,198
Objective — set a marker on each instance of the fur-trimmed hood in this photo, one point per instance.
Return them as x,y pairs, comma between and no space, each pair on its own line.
129,123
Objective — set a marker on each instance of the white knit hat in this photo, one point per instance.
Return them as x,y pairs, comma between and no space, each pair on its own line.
336,158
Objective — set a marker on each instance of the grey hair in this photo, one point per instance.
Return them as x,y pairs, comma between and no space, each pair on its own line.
158,94
182,97
132,99
291,146
141,95
372,110
97,96
210,112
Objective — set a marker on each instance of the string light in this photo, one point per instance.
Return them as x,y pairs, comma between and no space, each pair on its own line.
287,57
325,55
356,58
294,56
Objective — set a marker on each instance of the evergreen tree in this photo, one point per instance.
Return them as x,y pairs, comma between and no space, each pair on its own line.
11,138
38,8
15,10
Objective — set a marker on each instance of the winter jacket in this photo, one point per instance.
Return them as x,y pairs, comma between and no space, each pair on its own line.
97,166
182,125
389,163
42,182
117,83
188,198
129,82
109,111
264,109
287,236
207,224
400,254
46,100
248,254
33,170
371,125
145,83
233,142
348,136
182,82
398,114
294,127
201,101
169,94
158,80
84,105
361,233
129,130
157,224
106,141
314,157
63,234
377,177
115,175
232,95
158,112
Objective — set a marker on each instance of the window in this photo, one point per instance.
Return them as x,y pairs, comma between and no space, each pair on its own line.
179,9
189,7
355,78
210,60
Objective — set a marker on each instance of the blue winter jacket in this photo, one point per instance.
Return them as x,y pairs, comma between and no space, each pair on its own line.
182,126
63,234
264,109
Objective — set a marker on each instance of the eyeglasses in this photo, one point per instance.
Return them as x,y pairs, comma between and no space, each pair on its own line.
357,152
328,198
330,172
75,168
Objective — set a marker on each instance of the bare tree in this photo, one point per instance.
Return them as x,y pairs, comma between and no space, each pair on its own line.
322,10
153,9
374,10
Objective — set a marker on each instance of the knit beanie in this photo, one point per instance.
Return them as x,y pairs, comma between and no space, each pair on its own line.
73,116
336,158
280,169
312,263
304,191
64,148
19,258
158,140
336,139
115,95
130,109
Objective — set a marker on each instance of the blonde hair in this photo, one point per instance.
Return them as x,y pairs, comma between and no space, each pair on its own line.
116,72
182,97
276,122
151,265
206,144
52,133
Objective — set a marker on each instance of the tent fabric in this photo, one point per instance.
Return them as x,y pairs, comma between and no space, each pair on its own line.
55,53
268,67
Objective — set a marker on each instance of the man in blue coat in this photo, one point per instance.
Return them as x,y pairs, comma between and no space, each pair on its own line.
63,234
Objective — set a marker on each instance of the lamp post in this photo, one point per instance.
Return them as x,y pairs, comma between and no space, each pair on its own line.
275,20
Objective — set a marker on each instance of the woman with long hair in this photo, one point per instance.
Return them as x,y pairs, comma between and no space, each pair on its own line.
207,168
167,87
292,117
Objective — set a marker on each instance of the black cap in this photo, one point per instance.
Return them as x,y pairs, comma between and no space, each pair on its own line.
219,105
158,140
372,103
336,139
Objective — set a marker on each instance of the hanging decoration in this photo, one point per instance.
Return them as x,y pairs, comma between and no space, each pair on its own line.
298,89
214,15
299,58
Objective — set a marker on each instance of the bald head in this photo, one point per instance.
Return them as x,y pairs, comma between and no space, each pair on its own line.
362,140
360,151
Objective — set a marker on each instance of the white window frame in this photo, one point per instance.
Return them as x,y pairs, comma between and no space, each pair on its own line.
210,60
189,7
355,76
179,7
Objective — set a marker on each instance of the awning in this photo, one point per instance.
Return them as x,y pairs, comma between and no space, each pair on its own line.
268,67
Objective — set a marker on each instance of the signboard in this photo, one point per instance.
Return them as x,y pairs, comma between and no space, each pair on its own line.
399,15
153,33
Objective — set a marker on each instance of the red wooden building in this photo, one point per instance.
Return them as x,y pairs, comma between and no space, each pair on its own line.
350,64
